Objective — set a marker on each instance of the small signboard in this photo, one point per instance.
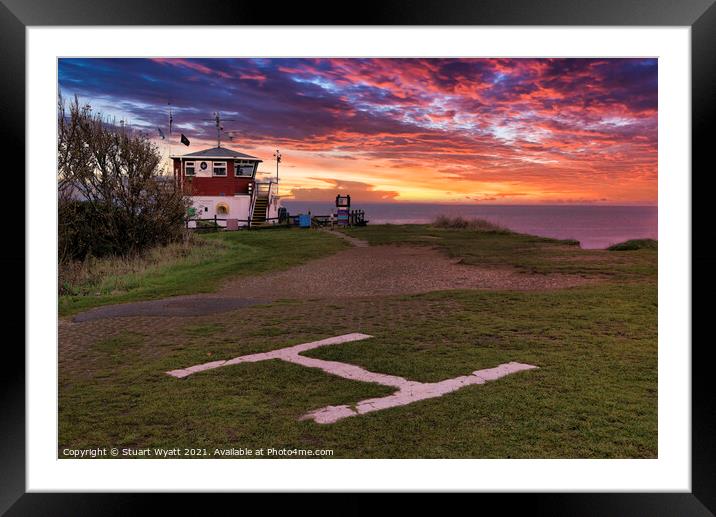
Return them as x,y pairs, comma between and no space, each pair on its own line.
343,209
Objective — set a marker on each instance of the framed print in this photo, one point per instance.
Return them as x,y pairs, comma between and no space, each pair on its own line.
445,248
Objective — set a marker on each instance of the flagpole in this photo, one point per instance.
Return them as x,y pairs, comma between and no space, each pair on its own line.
171,119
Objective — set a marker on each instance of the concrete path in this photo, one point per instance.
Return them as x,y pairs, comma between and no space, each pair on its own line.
176,306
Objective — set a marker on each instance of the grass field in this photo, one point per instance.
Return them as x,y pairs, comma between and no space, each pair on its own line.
528,253
215,257
593,396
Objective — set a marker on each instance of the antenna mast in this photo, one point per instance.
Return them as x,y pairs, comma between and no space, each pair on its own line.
219,128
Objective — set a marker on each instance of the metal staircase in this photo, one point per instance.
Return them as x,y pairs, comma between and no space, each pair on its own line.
261,204
260,210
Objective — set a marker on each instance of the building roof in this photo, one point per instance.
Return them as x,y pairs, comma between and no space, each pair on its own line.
218,152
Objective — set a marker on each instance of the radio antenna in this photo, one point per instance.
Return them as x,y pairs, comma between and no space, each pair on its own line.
219,128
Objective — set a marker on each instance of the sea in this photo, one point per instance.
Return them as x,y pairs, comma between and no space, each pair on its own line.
594,226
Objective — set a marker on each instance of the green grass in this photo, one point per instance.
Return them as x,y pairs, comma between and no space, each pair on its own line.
593,396
204,330
223,255
527,253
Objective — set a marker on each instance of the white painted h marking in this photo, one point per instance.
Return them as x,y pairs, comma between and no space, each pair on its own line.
407,391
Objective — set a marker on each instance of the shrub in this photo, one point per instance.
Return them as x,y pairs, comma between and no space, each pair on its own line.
635,244
461,223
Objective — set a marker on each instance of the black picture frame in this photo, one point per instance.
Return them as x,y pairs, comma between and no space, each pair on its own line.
699,15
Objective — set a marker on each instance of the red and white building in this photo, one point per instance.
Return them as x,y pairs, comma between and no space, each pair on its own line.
222,182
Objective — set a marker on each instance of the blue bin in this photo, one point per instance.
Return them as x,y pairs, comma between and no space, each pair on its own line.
304,221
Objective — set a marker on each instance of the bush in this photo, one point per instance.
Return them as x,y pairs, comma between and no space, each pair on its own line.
460,223
81,234
635,244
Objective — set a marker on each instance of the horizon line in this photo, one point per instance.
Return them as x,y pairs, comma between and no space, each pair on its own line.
622,204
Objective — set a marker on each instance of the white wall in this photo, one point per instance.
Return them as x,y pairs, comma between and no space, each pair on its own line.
273,208
206,206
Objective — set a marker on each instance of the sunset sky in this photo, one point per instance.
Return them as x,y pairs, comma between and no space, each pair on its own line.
497,131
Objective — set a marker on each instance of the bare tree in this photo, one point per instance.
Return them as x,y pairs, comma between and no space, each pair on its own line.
112,197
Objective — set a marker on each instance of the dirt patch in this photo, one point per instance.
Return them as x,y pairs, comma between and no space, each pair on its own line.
356,272
387,270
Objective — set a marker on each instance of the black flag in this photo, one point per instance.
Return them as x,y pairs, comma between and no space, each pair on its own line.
184,140
161,133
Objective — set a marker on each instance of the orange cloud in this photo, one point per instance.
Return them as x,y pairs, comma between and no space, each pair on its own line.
492,130
359,192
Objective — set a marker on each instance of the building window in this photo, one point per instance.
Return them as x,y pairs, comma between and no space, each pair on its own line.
189,169
244,168
222,209
219,168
